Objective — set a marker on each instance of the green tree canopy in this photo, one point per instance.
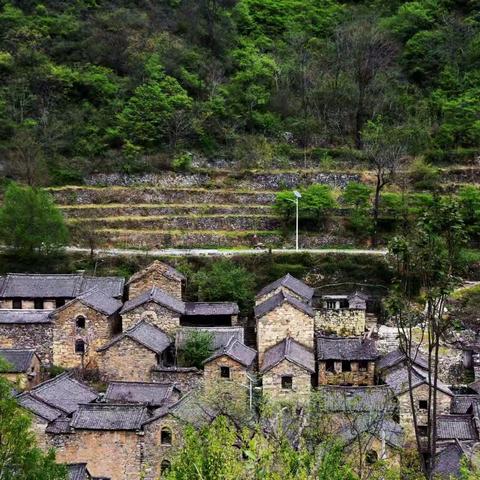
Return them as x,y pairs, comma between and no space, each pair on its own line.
226,281
20,458
30,223
198,347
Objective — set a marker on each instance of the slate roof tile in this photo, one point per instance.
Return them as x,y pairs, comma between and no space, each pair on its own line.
148,335
211,308
290,350
448,459
167,270
38,407
460,427
155,295
398,380
78,471
221,335
463,403
152,394
19,360
64,392
236,351
343,348
278,299
22,317
396,357
291,283
105,416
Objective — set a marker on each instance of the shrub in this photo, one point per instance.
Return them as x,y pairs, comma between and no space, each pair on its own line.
198,347
423,175
182,162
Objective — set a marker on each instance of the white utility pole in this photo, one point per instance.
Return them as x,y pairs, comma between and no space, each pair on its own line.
298,195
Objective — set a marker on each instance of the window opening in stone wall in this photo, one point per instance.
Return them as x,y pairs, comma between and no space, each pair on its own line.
38,303
164,467
363,366
331,304
330,366
422,430
423,404
80,321
346,366
225,372
80,346
17,304
166,436
287,382
371,457
59,302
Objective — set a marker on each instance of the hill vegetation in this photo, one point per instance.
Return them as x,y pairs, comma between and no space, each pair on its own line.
138,86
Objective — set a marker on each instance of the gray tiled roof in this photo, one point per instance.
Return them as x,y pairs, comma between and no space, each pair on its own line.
375,425
144,333
59,425
169,272
152,394
278,299
38,407
64,392
237,351
105,416
192,410
397,357
292,283
463,403
20,317
22,285
19,360
157,296
289,349
448,460
221,335
460,427
100,302
356,399
397,380
211,308
342,348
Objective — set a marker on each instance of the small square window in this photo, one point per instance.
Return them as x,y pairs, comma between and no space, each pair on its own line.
346,367
80,347
330,366
80,321
59,302
166,436
363,366
423,404
17,304
287,382
38,303
422,430
225,372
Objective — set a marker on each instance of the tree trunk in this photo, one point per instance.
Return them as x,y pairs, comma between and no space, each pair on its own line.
376,208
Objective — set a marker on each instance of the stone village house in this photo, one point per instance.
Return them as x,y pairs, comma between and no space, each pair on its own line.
23,367
131,336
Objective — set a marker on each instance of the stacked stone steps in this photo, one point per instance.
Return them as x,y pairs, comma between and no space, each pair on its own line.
185,222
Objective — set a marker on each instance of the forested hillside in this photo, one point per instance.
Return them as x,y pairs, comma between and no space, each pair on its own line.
133,86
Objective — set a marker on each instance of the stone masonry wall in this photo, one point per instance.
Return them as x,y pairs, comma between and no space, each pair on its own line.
355,377
155,278
405,411
186,378
126,360
272,382
280,323
342,322
155,314
33,335
48,304
211,372
112,454
98,331
154,451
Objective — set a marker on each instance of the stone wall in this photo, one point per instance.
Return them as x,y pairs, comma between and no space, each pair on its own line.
99,329
112,454
126,360
272,382
211,372
28,304
342,322
405,410
186,378
155,278
31,335
162,317
354,377
280,323
154,451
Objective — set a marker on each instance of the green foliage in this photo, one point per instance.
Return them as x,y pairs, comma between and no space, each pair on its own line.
423,175
469,199
182,162
21,458
357,195
198,347
315,205
30,223
224,280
